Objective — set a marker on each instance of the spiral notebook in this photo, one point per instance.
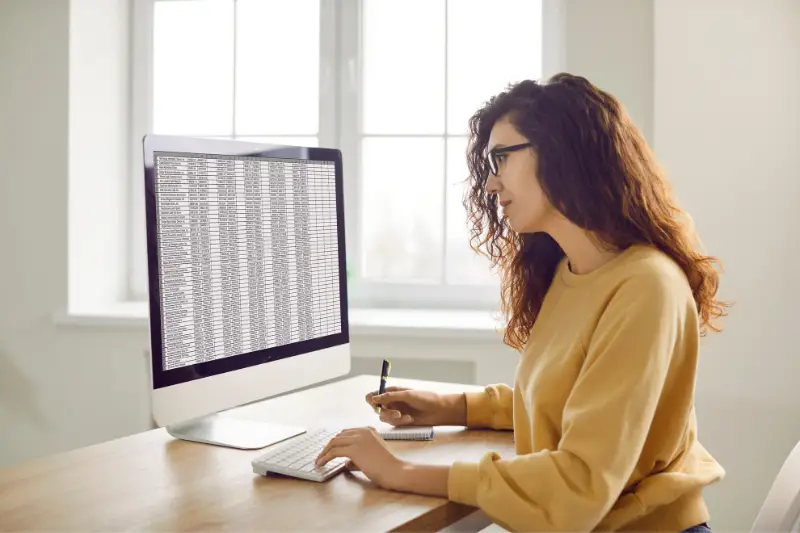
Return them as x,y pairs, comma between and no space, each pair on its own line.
408,433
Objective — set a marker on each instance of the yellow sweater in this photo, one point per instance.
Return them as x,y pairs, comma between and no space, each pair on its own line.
602,409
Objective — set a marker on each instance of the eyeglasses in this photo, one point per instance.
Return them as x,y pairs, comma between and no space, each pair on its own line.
492,156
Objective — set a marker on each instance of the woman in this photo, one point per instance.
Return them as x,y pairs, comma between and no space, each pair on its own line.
606,298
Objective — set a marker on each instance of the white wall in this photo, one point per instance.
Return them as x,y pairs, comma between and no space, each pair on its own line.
611,43
721,106
55,383
99,107
727,128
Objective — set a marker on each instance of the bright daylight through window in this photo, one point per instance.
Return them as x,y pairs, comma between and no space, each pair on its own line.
262,70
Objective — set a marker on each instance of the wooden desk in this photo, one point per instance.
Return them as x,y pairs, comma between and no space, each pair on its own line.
153,482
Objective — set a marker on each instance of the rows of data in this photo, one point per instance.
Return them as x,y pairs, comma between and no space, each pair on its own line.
248,252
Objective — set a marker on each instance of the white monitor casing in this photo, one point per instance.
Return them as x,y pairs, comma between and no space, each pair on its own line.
187,400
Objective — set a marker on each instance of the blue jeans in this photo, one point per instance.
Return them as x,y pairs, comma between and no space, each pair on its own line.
700,528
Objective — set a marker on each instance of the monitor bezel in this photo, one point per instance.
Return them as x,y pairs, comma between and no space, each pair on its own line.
165,143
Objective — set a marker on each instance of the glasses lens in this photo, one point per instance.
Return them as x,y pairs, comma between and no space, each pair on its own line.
492,163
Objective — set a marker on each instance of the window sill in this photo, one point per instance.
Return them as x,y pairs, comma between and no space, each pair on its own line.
414,323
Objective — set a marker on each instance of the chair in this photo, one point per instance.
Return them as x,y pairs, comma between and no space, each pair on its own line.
781,510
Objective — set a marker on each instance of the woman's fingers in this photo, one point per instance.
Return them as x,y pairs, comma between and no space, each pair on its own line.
396,418
371,395
392,396
335,452
343,439
390,415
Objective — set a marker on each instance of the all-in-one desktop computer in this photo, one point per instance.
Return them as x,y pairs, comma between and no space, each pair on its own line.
247,281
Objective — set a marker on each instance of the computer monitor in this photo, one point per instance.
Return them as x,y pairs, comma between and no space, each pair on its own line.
247,280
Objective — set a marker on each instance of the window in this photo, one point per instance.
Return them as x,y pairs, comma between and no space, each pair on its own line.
392,84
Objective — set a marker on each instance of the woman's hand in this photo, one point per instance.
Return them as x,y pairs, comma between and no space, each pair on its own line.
406,407
367,452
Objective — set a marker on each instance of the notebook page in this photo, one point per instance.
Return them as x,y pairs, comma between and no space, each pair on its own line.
408,433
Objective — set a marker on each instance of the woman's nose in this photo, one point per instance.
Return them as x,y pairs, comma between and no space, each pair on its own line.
492,185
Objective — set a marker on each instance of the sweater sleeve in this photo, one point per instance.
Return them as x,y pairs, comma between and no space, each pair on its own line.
605,422
491,408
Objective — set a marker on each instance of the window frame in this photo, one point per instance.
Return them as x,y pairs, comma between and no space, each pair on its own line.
339,126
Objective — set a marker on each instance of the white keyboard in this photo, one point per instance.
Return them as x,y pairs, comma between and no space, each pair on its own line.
296,457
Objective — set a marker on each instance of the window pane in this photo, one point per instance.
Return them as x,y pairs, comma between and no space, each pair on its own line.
489,45
291,141
402,202
403,66
193,67
277,67
464,267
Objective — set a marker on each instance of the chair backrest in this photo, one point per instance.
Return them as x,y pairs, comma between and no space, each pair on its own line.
781,510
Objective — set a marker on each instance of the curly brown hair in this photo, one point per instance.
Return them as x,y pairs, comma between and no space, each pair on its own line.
597,170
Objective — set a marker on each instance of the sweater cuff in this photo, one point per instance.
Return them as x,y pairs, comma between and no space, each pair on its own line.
462,483
479,410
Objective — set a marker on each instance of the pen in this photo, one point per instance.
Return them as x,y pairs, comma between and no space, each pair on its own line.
385,368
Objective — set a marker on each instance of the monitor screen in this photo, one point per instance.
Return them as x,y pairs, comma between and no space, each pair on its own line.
246,257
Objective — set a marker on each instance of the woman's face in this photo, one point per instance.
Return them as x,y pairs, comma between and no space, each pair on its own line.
516,185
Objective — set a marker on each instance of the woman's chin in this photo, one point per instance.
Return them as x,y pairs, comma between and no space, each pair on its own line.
524,228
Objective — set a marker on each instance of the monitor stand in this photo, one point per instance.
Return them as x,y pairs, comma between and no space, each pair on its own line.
232,432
